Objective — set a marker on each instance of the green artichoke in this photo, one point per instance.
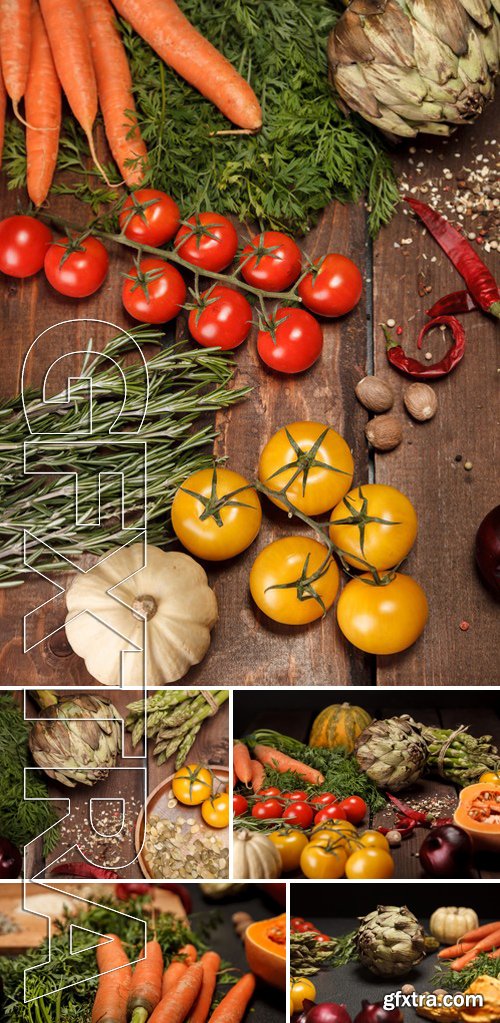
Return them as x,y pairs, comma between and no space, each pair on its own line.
412,66
390,941
392,753
76,739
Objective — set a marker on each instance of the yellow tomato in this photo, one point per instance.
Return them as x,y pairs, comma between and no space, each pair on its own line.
491,777
215,811
289,845
374,840
192,784
369,863
312,462
209,524
337,830
299,990
324,859
289,563
382,619
376,525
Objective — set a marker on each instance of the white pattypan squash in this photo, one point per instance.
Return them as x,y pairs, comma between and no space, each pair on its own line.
136,625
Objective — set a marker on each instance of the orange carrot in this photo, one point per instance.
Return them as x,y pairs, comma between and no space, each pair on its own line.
189,952
3,104
258,775
495,954
178,1003
456,950
280,762
172,976
69,42
233,1006
146,988
15,27
211,964
110,1004
115,90
242,763
43,113
458,964
480,932
164,27
488,942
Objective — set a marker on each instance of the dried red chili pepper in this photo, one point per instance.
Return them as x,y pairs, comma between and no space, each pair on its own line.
480,282
72,868
449,305
419,370
407,811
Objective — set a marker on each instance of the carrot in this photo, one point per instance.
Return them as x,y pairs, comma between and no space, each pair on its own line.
211,964
480,932
177,42
456,950
280,762
242,763
490,941
458,964
110,1004
172,976
15,28
495,954
189,952
258,775
69,42
115,90
3,104
146,989
178,1003
43,113
233,1006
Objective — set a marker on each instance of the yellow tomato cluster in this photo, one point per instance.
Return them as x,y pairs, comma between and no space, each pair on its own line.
217,514
335,850
192,785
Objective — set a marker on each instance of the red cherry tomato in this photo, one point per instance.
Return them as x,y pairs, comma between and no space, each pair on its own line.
240,804
322,939
76,268
270,791
155,292
292,343
207,240
354,808
296,922
222,319
324,799
333,287
267,809
23,244
271,261
308,926
149,217
298,795
330,813
300,813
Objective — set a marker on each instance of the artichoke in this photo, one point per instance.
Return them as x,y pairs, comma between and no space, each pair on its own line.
392,753
412,66
76,739
390,941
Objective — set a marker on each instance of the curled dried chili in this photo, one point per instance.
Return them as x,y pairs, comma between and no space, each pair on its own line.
481,284
450,305
419,370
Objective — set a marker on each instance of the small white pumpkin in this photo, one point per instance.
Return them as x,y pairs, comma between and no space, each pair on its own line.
449,923
255,856
165,608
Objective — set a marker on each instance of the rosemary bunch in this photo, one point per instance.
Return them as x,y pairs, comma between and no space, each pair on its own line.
174,718
183,385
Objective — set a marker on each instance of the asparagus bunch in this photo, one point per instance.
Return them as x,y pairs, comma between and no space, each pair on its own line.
174,718
458,756
307,955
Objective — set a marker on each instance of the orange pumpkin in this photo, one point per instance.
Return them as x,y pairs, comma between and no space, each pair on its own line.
478,813
265,948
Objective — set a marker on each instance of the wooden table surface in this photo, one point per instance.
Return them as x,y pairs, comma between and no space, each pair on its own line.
211,746
246,648
439,797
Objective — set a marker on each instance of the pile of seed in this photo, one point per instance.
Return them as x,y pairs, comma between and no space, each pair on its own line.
111,848
183,848
7,925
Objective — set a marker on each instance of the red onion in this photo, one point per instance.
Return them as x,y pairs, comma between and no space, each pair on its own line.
488,550
10,860
328,1012
306,1006
447,852
374,1012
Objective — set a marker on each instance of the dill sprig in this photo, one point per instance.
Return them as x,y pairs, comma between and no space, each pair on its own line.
21,820
453,980
308,152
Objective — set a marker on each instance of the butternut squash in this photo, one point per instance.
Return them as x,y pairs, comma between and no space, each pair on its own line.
265,948
478,813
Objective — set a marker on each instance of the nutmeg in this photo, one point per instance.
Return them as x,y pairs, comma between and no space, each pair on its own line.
374,394
393,838
420,401
384,432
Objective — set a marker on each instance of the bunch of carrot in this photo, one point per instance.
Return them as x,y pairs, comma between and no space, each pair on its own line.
46,45
251,772
183,990
472,944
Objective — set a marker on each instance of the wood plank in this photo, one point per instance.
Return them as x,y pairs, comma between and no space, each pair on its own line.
450,501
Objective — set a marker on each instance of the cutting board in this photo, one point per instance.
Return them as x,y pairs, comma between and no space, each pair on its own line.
33,929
